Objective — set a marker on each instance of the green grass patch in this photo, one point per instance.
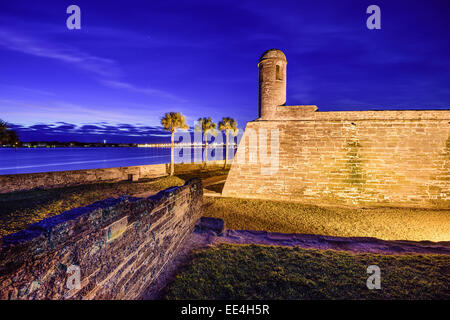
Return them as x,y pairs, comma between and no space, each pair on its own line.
291,217
264,272
19,209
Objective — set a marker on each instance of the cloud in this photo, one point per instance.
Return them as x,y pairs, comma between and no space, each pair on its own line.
147,91
63,131
107,71
41,48
62,111
22,90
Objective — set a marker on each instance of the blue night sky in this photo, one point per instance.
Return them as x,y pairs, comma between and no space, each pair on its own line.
132,61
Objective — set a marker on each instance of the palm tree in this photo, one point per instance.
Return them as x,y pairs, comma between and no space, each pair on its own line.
3,125
228,125
7,136
3,131
171,122
206,126
12,138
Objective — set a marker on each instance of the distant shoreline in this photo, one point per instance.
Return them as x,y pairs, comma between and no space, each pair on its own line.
34,160
62,147
164,145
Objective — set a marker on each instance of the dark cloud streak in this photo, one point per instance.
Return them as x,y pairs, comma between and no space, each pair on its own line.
64,132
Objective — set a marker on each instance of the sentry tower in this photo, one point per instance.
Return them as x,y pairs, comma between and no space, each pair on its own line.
272,83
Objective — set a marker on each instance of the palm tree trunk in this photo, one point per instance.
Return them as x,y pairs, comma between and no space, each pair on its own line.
172,158
226,149
206,151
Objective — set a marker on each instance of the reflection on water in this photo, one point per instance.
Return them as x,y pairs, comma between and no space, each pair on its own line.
24,160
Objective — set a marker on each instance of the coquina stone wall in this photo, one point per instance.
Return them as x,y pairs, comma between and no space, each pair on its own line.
357,158
46,180
181,168
119,245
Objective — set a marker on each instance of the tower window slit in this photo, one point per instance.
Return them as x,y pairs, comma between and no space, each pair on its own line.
278,73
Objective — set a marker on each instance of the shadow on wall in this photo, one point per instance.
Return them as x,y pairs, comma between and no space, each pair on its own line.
354,165
439,190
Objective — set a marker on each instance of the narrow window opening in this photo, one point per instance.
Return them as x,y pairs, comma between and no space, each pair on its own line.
278,73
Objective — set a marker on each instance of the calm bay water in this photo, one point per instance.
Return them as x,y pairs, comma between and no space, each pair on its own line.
24,160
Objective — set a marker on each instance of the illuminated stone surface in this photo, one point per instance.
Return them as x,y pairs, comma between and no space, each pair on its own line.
351,157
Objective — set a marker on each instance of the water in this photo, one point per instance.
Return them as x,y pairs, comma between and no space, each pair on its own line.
24,160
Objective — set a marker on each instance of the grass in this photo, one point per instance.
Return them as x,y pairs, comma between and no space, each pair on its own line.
289,217
264,272
19,209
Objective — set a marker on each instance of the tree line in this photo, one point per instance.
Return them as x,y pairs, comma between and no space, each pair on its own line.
8,136
172,121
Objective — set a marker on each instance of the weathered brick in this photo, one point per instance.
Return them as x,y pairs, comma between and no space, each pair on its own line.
115,254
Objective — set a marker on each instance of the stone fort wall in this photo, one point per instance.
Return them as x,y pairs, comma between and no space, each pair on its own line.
356,158
120,246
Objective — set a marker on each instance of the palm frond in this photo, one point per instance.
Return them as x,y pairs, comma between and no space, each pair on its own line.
228,125
173,121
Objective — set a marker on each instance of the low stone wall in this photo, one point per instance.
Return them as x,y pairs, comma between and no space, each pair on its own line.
47,180
181,168
117,246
